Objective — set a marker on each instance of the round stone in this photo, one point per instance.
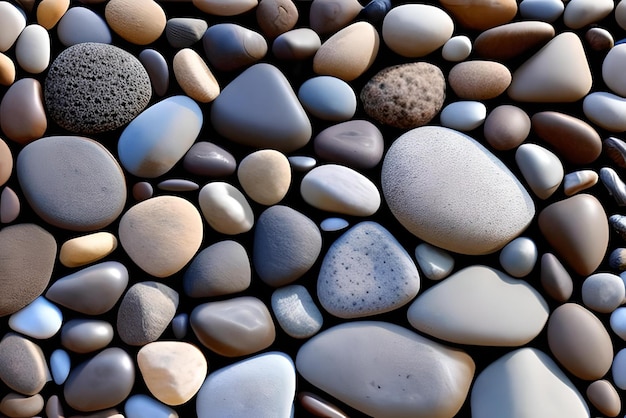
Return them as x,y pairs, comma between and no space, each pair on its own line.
265,176
86,335
328,98
603,292
276,16
225,208
602,395
23,367
16,405
463,115
457,48
32,49
355,143
479,80
519,256
506,127
138,21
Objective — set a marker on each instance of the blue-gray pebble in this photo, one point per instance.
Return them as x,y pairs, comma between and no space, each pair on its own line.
328,98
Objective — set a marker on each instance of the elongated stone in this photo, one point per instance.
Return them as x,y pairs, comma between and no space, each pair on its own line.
614,185
229,46
555,279
86,249
194,76
512,39
86,335
542,170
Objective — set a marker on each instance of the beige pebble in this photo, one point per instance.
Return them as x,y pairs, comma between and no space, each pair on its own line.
138,21
579,181
506,127
194,76
479,80
481,14
6,162
22,114
49,12
265,176
225,7
16,405
328,16
9,206
602,395
7,70
276,17
225,208
86,249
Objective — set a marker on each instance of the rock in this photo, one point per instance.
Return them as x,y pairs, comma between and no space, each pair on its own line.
463,115
22,114
86,249
7,70
617,222
225,208
172,370
579,181
140,22
12,22
93,290
423,166
525,382
366,272
457,48
620,14
481,14
611,74
272,371
519,256
543,10
435,263
348,53
580,13
229,46
302,163
259,109
327,17
407,364
375,10
276,17
333,224
416,30
296,312
479,80
606,110
234,327
157,69
618,322
265,176
178,185
15,405
28,256
143,406
506,127
615,149
616,259
604,397
555,280
145,312
286,245
328,98
512,39
230,8
53,407
194,76
618,369
23,366
603,292
183,32
208,159
79,25
86,335
9,206
339,189
355,143
296,44
559,72
542,170
88,388
39,319
578,230
317,405
49,12
599,39
104,71
60,365
32,49
180,323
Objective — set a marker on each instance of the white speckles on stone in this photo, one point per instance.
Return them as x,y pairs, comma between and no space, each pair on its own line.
435,263
296,311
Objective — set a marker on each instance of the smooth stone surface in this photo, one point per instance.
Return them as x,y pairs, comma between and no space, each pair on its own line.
506,127
296,44
542,170
335,188
260,109
6,162
555,279
40,319
32,49
457,48
302,163
422,172
319,406
519,256
229,46
16,405
407,364
614,185
618,369
93,290
480,306
172,226
604,397
296,312
524,383
87,249
225,208
481,14
579,341
580,13
603,292
620,14
80,24
463,115
617,259
9,206
12,22
479,80
23,367
183,32
60,365
328,98
140,22
355,143
234,327
225,8
286,245
208,159
615,149
578,181
599,39
49,12
22,114
272,371
559,72
157,68
618,322
143,406
333,224
180,324
543,10
617,222
512,39
366,272
86,335
194,76
178,185
434,263
100,382
606,110
160,136
276,17
578,230
327,17
265,176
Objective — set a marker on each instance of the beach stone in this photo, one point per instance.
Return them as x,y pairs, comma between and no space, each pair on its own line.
229,46
160,136
405,96
407,364
558,72
519,256
506,127
606,110
435,263
481,14
265,176
22,114
86,249
273,371
296,44
194,76
604,397
327,17
579,181
555,279
542,170
145,312
222,8
296,312
479,80
225,208
355,143
620,14
366,272
39,319
542,10
348,53
416,30
302,163
101,382
615,149
572,138
9,206
234,327
333,224
140,22
16,405
286,245
92,192
158,71
335,188
172,370
463,115
6,162
32,49
614,185
49,12
60,365
180,323
220,269
599,39
7,70
578,230
178,185
259,109
143,406
183,32
80,24
617,259
86,335
375,10
317,405
422,167
618,322
457,48
525,382
210,160
618,369
276,17
103,71
496,309
12,22
93,290
611,74
603,292
23,367
328,98
512,39
580,13
28,254
617,222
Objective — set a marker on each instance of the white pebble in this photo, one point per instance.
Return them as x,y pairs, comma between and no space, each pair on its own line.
519,256
143,406
32,49
435,263
302,163
606,110
296,311
542,170
40,319
580,13
603,292
334,224
457,48
225,208
618,322
464,115
60,365
618,369
12,23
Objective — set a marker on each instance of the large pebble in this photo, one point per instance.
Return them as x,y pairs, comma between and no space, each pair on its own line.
327,17
208,159
296,44
435,164
225,208
506,127
40,319
296,312
22,114
513,39
229,46
542,170
355,143
265,176
143,406
12,22
33,48
603,292
138,21
86,249
463,115
479,80
434,263
606,110
481,14
580,13
80,24
602,395
556,281
328,98
86,335
407,364
23,366
194,76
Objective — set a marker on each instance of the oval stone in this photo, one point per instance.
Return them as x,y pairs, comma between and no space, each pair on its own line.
506,127
194,76
12,22
611,74
208,159
512,40
49,12
481,14
457,48
39,319
225,208
23,367
580,13
463,115
222,8
603,292
7,70
355,143
60,365
296,44
157,68
16,405
229,46
519,256
80,24
265,176
479,80
10,206
327,17
602,395
434,263
542,170
143,406
578,181
606,110
32,49
183,32
86,249
328,98
86,335
22,114
138,21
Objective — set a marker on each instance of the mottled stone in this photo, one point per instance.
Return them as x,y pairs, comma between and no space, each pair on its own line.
22,114
140,22
603,292
276,17
23,366
579,181
512,40
479,80
183,32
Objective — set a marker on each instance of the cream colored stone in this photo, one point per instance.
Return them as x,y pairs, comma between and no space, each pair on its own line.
32,49
7,70
580,13
225,7
49,12
86,249
265,176
138,21
12,22
225,208
194,76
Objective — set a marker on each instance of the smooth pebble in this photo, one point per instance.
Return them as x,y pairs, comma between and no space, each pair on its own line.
140,22
86,335
22,114
87,249
481,14
603,292
519,256
229,46
602,395
33,49
143,406
434,263
225,208
80,24
578,181
265,176
543,10
457,48
296,44
40,319
60,365
463,115
23,367
333,224
328,98
210,160
327,17
542,170
13,22
10,206
506,127
580,13
194,76
555,279
183,32
513,39
296,312
49,12
157,68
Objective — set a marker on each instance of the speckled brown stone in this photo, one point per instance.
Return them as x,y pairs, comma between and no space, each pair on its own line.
23,366
479,80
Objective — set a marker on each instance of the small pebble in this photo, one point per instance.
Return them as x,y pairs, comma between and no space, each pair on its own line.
463,116
143,406
578,181
49,12
580,13
157,69
318,406
296,312
194,76
229,46
140,22
225,208
60,365
41,319
302,163
506,127
180,324
178,185
603,292
183,32
602,395
328,98
32,49
80,24
265,176
86,335
87,249
208,159
16,405
334,224
518,257
614,185
618,370
296,44
542,170
606,110
599,39
617,259
276,17
356,143
435,263
457,48
13,22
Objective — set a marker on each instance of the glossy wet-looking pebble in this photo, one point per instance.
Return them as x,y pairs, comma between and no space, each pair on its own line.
324,208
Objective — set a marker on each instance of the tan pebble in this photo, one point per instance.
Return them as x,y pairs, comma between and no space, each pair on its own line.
225,7
6,162
579,181
9,206
49,12
479,80
194,76
328,16
142,191
265,176
348,53
513,39
138,21
22,115
276,17
481,14
599,39
506,127
86,249
7,70
16,405
604,397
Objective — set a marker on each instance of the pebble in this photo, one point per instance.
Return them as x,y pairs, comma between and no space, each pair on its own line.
416,30
615,149
286,245
234,327
178,185
265,176
606,110
405,96
158,71
506,127
318,406
225,208
419,169
296,312
434,263
333,224
542,170
578,181
220,269
540,388
355,143
618,369
276,17
296,44
183,32
229,46
617,222
604,397
335,188
140,22
580,13
328,98
375,10
555,279
13,22
463,115
143,406
406,362
7,70
49,12
603,292
366,272
23,367
180,324
39,319
614,185
457,48
543,10
145,312
16,405
579,341
599,39
80,24
519,256
327,17
172,370
620,14
616,259
481,14
93,290
479,80
618,322
87,249
614,60
9,206
86,335
221,8
6,162
511,40
302,163
194,76
22,114
32,49
480,306
54,407
88,389
208,159
60,365
273,371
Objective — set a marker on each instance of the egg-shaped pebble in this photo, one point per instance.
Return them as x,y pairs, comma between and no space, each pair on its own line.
296,44
543,10
435,263
457,48
80,24
603,292
328,98
23,367
22,114
463,115
599,39
86,249
157,69
302,163
32,49
49,12
579,181
140,22
506,127
618,322
265,176
555,279
229,46
519,256
86,335
40,319
618,369
333,224
10,205
479,80
225,208
143,406
276,16
602,395
512,40
222,8
180,324
542,170
296,312
194,76
12,22
580,13
355,143
606,110
612,75
7,70
60,365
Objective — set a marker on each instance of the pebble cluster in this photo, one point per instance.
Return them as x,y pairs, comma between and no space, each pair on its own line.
327,208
